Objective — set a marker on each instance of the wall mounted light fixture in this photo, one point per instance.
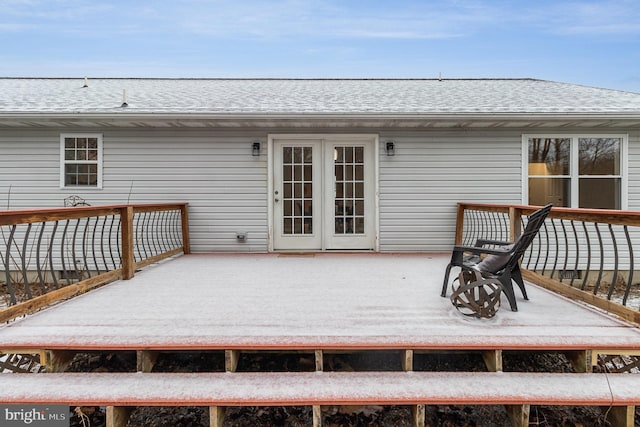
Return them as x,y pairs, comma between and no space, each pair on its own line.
255,148
390,148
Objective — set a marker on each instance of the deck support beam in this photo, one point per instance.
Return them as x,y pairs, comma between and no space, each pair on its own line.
317,415
418,414
417,411
580,360
145,360
407,360
216,416
57,360
621,416
518,414
493,360
216,413
231,359
317,409
118,416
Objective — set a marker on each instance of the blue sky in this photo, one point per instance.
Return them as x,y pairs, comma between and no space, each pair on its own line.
595,43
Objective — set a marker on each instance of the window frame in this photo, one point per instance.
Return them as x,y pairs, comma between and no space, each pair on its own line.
64,162
574,164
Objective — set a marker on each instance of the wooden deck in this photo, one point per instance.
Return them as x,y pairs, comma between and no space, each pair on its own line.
322,301
315,303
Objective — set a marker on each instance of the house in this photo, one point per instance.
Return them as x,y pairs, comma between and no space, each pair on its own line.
308,165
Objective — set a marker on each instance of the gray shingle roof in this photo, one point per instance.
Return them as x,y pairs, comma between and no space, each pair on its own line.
316,96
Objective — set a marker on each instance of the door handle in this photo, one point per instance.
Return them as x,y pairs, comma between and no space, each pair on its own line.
276,200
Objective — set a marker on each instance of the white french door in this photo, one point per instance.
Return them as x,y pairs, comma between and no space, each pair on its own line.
323,192
297,194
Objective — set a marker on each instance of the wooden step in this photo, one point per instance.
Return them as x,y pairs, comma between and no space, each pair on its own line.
320,388
121,391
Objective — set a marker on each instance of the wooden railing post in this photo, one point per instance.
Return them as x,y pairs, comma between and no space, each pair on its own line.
128,260
515,223
459,224
184,215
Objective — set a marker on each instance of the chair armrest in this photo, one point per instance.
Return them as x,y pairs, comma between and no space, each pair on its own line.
483,242
480,250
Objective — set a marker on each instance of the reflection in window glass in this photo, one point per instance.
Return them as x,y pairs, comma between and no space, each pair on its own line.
599,156
549,156
576,171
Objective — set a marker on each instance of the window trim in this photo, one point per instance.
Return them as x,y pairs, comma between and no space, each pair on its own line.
63,162
574,164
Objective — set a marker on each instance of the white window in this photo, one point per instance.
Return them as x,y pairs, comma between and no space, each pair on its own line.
81,161
576,171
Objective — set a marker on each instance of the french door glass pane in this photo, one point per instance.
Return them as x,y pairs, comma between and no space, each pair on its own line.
349,190
297,173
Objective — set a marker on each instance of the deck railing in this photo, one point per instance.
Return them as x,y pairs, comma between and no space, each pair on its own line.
50,254
585,254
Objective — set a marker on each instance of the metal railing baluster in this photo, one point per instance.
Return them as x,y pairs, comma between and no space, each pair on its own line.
587,269
546,257
616,256
163,227
577,253
84,248
138,238
62,252
25,277
566,251
73,249
38,264
102,257
555,235
154,228
176,229
113,261
7,264
631,267
144,234
50,254
601,270
118,240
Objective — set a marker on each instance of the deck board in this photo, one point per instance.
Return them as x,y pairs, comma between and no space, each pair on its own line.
297,388
325,301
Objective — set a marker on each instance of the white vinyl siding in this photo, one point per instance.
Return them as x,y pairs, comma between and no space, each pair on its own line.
226,187
633,171
223,183
430,173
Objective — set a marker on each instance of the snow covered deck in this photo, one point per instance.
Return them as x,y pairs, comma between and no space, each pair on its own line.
315,302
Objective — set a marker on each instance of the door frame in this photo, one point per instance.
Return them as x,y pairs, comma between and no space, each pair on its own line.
325,138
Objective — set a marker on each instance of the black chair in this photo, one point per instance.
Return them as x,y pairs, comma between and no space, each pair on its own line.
501,261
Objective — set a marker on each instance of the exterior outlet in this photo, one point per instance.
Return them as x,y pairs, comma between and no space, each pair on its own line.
241,236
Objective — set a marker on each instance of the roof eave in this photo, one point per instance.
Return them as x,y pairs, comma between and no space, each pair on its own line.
342,119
